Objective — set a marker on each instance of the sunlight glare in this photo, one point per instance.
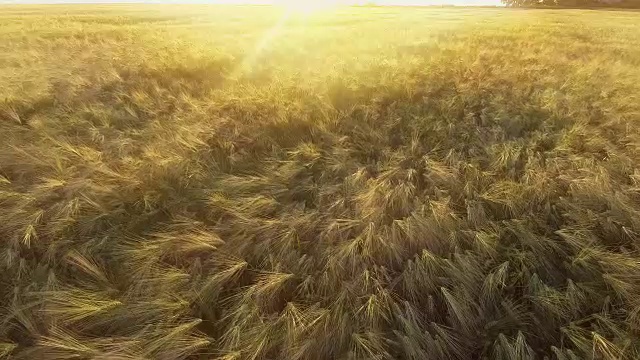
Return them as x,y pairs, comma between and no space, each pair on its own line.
307,7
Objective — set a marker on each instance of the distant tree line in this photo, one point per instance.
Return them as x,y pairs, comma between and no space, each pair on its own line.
575,3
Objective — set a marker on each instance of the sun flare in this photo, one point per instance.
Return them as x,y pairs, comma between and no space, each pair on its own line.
309,7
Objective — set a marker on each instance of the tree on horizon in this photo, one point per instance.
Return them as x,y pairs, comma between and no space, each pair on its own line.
574,3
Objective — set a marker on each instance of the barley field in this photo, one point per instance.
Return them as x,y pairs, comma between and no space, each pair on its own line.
229,182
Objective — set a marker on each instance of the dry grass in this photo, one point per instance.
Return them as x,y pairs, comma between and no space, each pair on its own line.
375,183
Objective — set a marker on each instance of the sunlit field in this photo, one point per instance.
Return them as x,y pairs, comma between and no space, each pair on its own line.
184,182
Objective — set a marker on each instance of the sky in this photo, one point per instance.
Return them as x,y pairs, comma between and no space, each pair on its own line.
379,2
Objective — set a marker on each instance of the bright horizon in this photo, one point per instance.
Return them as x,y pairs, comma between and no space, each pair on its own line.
276,2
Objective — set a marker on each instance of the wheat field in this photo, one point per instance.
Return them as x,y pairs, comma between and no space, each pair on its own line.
211,182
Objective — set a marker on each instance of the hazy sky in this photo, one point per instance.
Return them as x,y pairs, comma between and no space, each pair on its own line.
381,2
